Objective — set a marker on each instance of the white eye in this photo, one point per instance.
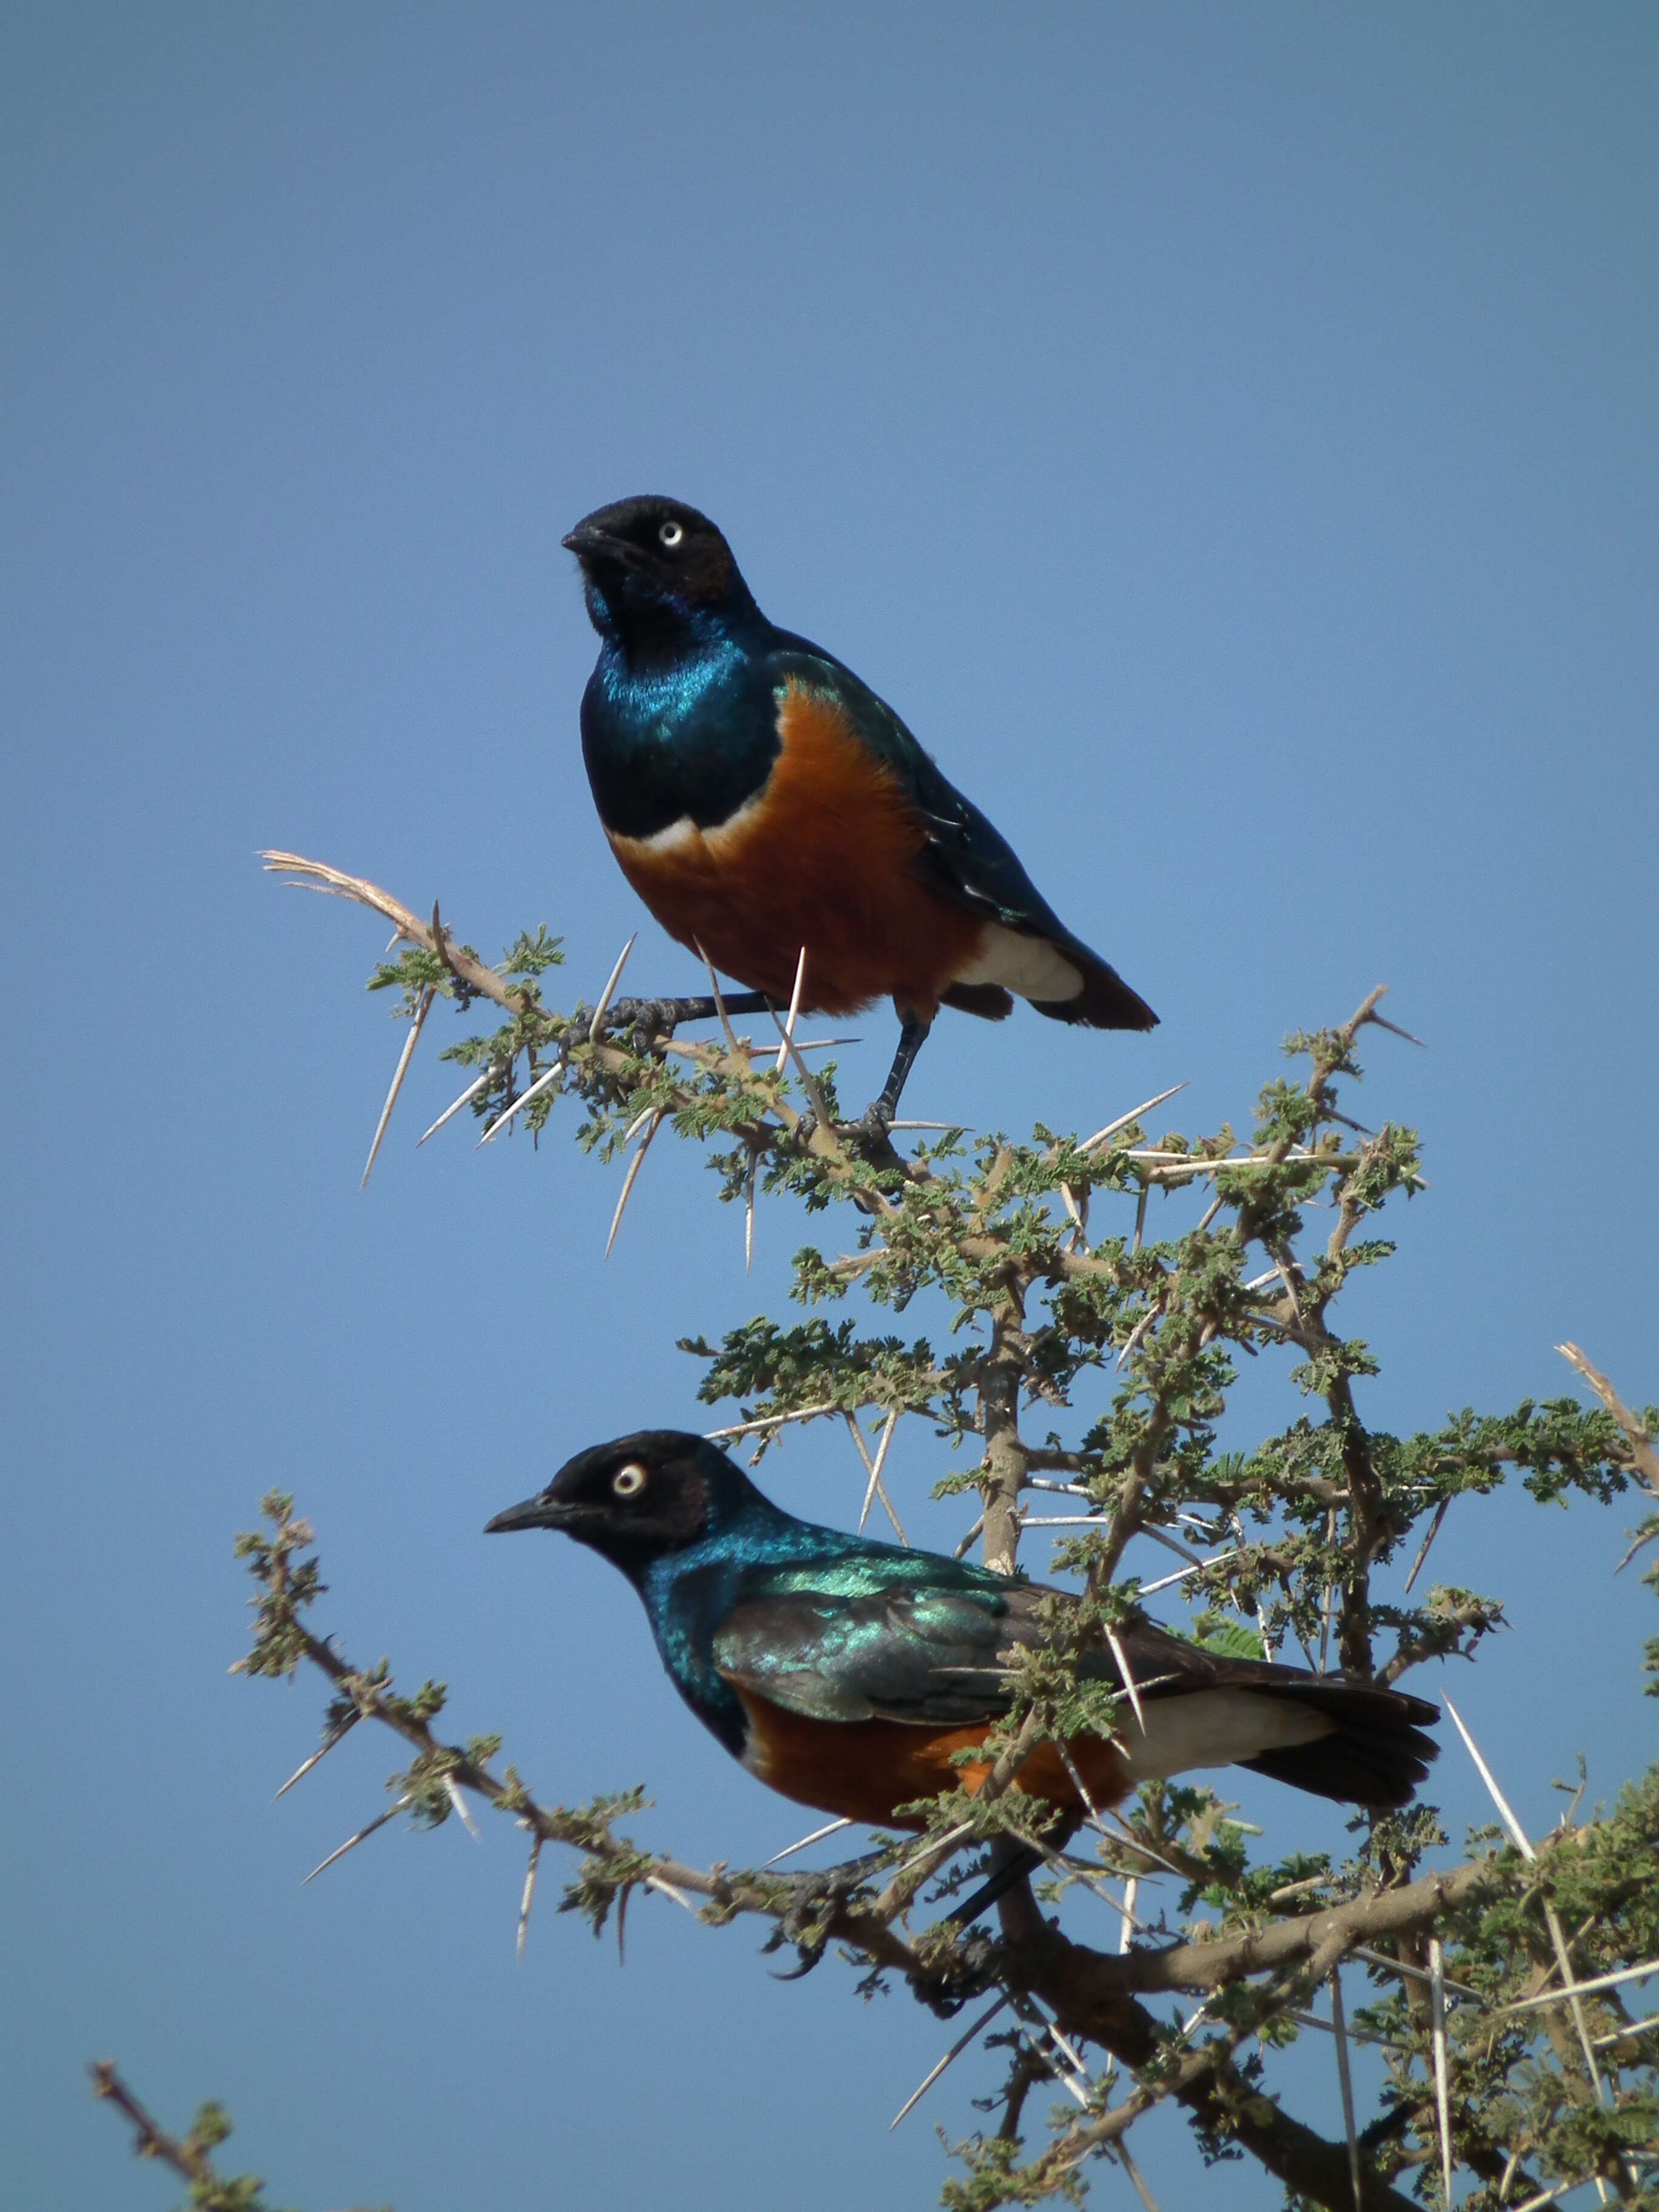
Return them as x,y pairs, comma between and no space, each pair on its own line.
671,534
628,1481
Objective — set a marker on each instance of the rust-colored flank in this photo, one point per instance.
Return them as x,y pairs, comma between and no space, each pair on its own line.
824,856
863,1769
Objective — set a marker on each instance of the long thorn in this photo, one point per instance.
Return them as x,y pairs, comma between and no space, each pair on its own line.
770,1421
352,1842
634,1166
1134,2172
398,1075
829,1828
815,1096
1587,1988
453,1791
1441,2085
1122,1659
1423,1549
876,1465
1133,1114
450,1112
1131,1894
879,1487
1345,2082
720,1003
1506,1814
610,990
955,2051
794,1009
528,1898
550,1076
749,1214
318,1755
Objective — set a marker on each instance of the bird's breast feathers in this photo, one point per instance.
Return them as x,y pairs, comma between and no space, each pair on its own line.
823,854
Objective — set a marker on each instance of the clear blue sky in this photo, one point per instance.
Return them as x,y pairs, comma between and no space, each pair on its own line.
1226,434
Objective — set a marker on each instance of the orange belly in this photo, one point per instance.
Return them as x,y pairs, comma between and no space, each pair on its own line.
862,1769
824,856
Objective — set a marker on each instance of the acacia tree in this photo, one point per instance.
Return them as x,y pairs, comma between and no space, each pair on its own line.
1499,1985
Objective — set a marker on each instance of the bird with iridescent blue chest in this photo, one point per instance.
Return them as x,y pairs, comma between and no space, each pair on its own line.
765,805
861,1677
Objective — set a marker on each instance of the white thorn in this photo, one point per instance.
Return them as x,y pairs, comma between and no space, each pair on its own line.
541,1083
656,1882
1442,2085
608,991
1423,1552
529,1894
720,1003
829,1828
634,1166
398,1073
1345,2083
352,1842
794,1009
1587,1988
318,1755
1124,1120
955,2051
769,1421
749,1214
1122,1659
876,1465
460,1805
1517,1834
450,1112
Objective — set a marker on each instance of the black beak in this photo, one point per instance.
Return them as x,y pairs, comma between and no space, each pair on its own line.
538,1512
590,544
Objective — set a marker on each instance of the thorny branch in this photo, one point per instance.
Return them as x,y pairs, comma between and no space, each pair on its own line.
1283,1544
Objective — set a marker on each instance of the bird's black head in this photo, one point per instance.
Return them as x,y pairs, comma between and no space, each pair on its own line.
651,563
642,1497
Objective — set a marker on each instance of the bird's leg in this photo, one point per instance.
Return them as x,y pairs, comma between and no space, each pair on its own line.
1010,1862
912,1035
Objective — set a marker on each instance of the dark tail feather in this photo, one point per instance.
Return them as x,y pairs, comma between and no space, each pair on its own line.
1105,1002
988,1001
1376,1755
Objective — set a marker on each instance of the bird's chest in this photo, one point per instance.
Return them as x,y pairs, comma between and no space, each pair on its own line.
689,743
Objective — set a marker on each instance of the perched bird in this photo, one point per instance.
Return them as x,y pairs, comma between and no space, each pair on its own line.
847,1672
761,799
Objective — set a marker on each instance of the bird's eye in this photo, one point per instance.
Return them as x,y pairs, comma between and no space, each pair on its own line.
671,534
628,1481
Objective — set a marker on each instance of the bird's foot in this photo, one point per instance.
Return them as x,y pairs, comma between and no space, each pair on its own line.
868,1136
654,1020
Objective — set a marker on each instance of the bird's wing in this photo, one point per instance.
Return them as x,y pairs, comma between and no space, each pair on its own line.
918,1651
965,855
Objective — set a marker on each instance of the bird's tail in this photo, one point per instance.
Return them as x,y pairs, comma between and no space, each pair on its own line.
1375,1754
1105,1002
